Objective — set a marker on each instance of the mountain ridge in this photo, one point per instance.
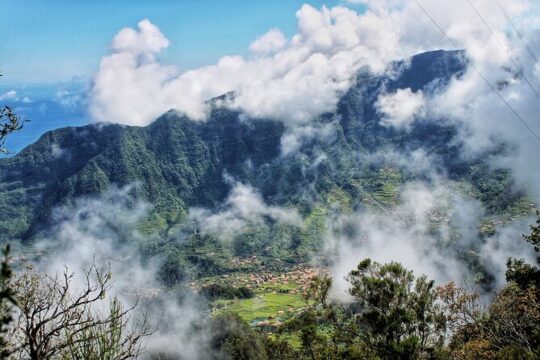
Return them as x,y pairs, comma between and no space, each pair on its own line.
180,163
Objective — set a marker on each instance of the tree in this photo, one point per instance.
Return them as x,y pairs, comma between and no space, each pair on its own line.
392,315
109,340
232,338
7,301
59,319
523,274
514,320
509,327
399,315
9,122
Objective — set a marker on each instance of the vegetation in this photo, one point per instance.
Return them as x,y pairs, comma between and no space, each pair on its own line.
394,315
216,291
9,122
7,302
57,319
389,313
179,164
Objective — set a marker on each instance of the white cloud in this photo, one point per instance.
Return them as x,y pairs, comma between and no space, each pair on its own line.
9,95
399,109
293,138
423,233
94,231
243,206
14,96
148,40
303,77
291,81
269,43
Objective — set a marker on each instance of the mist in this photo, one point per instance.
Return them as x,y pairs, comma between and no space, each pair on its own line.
102,231
435,231
437,226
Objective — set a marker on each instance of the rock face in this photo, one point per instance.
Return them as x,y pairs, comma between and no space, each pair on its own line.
178,163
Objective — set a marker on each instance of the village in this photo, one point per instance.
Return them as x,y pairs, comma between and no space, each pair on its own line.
277,294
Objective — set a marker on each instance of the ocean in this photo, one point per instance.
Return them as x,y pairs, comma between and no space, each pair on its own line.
46,107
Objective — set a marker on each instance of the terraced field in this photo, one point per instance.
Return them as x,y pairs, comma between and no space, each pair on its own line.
262,307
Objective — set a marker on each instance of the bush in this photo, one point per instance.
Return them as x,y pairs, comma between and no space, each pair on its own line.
218,291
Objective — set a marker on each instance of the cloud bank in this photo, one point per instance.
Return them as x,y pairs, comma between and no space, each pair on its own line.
428,232
102,230
296,79
401,108
292,80
243,206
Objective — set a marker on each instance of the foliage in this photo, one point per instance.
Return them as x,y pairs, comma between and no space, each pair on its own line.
59,318
391,315
109,340
7,301
523,274
398,313
509,328
394,315
534,237
509,325
216,291
9,122
232,338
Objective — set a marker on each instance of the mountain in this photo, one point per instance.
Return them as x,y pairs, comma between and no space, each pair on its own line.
179,163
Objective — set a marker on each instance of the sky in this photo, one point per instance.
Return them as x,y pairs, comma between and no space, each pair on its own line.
129,62
50,41
50,49
74,62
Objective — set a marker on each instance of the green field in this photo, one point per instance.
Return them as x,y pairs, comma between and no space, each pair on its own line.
262,306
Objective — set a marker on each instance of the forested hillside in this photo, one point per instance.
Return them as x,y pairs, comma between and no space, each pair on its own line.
178,163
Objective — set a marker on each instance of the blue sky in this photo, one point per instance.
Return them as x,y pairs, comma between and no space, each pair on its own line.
50,46
47,41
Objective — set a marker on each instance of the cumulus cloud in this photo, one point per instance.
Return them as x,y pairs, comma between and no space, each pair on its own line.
399,109
9,95
128,86
269,43
14,96
147,41
293,81
243,206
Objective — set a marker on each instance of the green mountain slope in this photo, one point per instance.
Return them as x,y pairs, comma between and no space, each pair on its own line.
178,163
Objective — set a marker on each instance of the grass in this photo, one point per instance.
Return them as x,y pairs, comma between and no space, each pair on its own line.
389,180
339,197
262,306
522,207
293,338
387,194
